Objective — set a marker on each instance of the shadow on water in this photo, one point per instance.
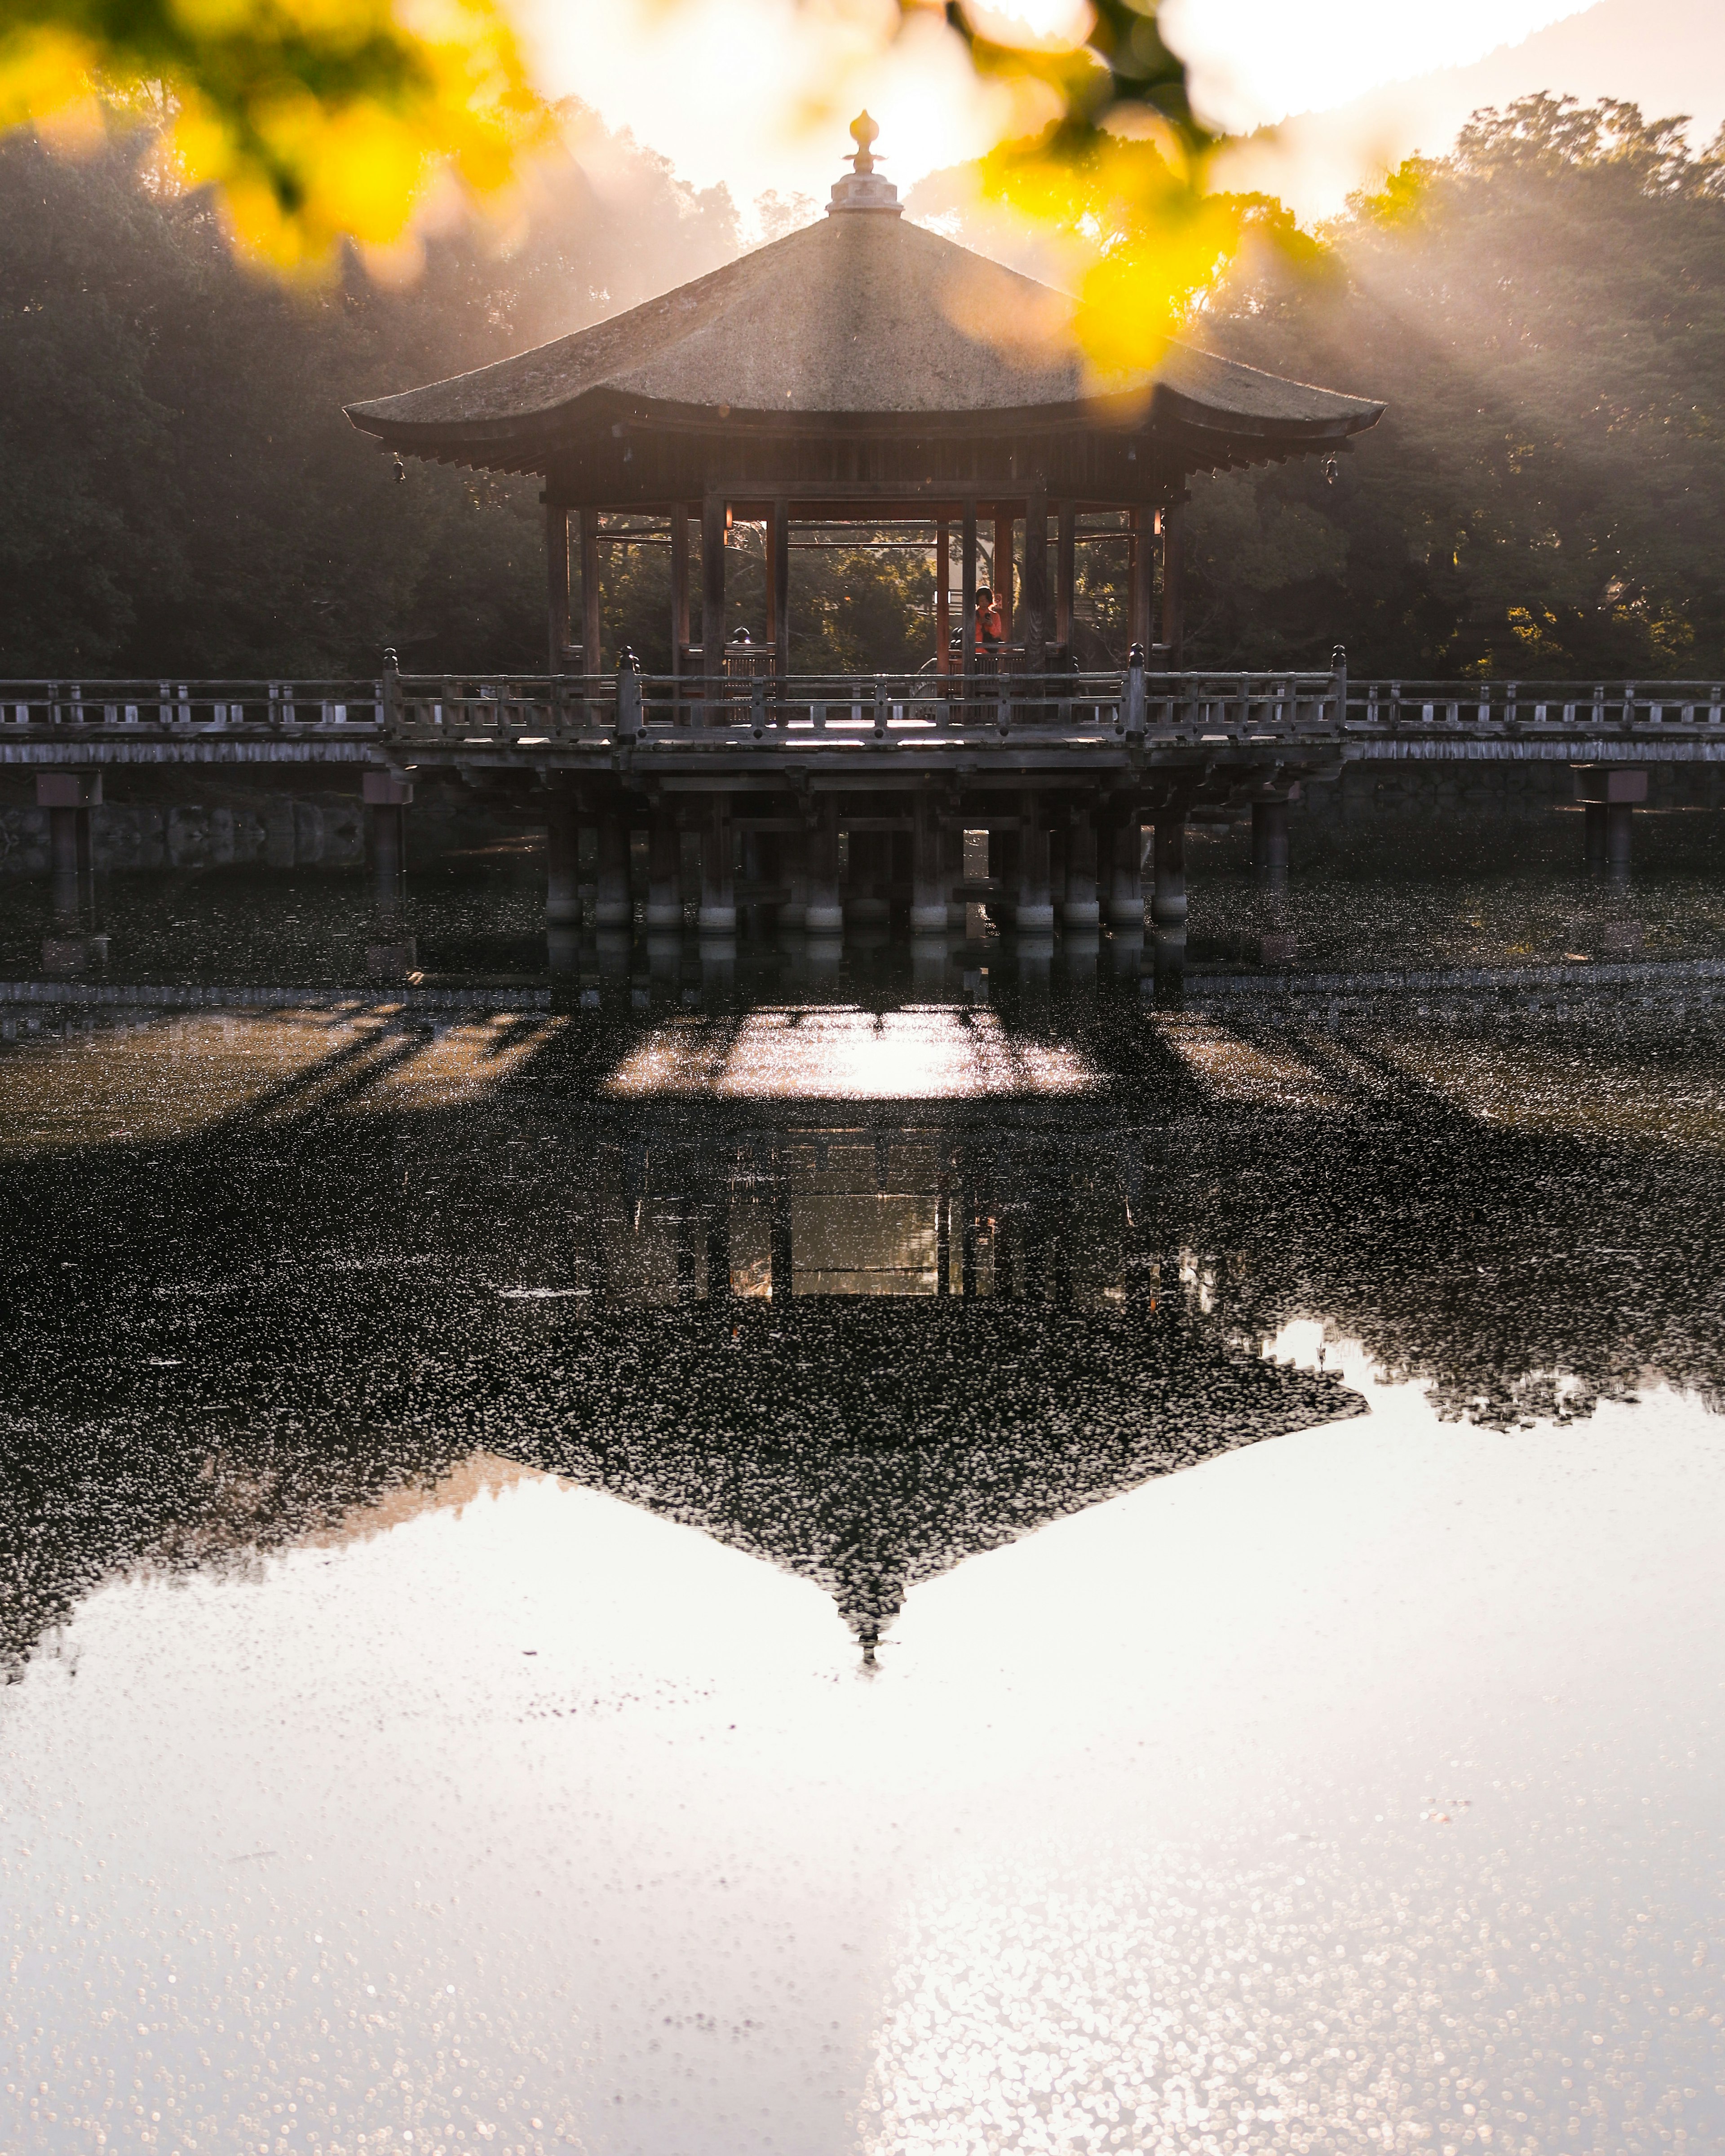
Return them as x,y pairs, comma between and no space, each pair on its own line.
861,1287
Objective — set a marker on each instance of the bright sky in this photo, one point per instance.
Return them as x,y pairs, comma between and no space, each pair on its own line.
732,89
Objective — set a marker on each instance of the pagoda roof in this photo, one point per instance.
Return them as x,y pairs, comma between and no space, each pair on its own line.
860,318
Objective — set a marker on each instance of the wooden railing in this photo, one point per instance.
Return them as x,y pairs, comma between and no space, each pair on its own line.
998,699
220,704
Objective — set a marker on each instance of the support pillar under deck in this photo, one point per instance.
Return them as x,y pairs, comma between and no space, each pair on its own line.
562,867
1080,908
1168,904
612,906
1269,841
1035,906
1125,884
825,912
928,892
386,796
664,871
718,882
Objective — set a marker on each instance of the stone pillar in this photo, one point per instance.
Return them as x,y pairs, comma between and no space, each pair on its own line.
1168,906
718,887
1610,793
793,868
562,864
386,796
1005,851
1080,909
612,907
825,913
1269,839
951,875
665,870
928,893
1035,906
867,900
68,796
1126,885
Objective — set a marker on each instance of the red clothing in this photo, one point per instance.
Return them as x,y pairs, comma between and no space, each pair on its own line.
989,629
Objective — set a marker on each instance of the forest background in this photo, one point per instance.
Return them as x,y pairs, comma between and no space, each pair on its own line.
1543,312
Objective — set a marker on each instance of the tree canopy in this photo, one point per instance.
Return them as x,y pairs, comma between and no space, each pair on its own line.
1544,312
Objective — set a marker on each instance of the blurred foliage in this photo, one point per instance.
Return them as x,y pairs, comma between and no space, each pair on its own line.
1544,313
314,120
184,492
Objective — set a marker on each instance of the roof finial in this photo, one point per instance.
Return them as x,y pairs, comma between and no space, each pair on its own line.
863,188
865,134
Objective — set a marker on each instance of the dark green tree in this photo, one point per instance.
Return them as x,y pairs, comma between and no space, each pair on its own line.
1544,313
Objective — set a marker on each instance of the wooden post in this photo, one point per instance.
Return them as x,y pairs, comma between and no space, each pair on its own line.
942,624
590,662
1036,582
1173,594
1065,575
556,580
968,593
778,589
679,585
712,593
1140,616
1003,570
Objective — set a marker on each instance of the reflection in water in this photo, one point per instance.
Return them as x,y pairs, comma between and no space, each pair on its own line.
543,1412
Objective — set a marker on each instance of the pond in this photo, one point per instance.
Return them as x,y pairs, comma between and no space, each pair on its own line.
877,1550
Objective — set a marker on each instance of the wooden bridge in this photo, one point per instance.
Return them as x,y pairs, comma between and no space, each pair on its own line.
789,762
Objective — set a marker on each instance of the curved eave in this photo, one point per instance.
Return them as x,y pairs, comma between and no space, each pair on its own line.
527,442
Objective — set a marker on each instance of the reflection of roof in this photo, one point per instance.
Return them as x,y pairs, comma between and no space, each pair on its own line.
872,1444
859,314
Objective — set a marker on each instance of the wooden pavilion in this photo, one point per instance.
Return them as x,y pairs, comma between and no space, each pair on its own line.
860,372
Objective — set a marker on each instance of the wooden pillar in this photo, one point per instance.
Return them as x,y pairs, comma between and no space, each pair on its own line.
665,870
942,624
1174,578
1141,612
1126,888
1269,839
1065,574
1035,906
556,582
825,916
713,587
928,894
718,883
1036,622
779,589
613,906
968,591
590,634
1080,909
1003,569
563,873
1168,904
680,585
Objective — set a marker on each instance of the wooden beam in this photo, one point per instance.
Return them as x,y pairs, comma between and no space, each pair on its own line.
942,625
1065,573
1173,582
1003,569
680,585
968,572
556,580
1036,631
779,589
712,584
590,617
